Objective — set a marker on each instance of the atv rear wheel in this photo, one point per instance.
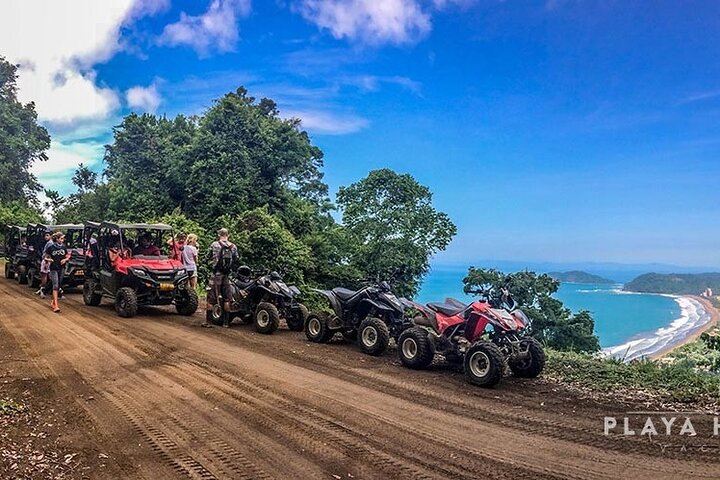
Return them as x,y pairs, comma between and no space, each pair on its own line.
126,302
216,315
33,281
373,336
484,364
534,364
90,297
317,328
415,348
188,304
296,322
9,274
267,318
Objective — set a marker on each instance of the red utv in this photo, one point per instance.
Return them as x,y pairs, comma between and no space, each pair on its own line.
74,269
130,264
15,253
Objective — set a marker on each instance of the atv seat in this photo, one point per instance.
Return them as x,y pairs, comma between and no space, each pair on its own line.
427,320
445,309
343,293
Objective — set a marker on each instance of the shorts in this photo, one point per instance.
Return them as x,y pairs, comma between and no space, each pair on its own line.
222,282
44,266
56,277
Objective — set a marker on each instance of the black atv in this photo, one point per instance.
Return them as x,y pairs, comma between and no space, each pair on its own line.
126,262
371,315
262,300
15,253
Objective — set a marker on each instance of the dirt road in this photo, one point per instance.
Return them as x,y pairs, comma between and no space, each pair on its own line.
164,399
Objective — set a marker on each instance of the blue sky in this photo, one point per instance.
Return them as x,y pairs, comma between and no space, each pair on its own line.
557,130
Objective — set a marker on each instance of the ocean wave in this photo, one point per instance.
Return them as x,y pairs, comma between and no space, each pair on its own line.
692,317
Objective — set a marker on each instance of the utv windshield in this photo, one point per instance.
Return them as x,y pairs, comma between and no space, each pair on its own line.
148,243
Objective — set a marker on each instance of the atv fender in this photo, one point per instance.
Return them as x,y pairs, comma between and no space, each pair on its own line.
334,303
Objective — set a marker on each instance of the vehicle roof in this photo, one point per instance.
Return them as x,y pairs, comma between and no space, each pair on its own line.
88,223
139,226
64,226
9,227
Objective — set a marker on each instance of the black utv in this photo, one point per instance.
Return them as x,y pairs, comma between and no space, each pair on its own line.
15,253
371,315
74,275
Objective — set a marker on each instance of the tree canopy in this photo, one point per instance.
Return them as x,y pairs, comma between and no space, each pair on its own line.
22,141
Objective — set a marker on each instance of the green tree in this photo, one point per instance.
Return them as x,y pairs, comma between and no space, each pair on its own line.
22,141
143,164
18,213
249,157
264,244
552,322
393,227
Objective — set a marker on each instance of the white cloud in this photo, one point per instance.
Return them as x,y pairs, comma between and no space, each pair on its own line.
391,21
216,29
327,123
56,45
63,159
144,98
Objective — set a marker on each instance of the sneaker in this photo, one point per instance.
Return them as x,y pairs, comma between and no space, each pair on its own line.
42,294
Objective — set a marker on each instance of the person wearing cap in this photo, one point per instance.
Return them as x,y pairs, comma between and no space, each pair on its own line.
177,245
44,263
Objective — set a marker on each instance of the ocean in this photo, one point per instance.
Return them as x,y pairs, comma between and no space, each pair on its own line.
629,325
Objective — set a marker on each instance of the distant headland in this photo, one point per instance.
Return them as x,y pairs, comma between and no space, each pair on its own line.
577,276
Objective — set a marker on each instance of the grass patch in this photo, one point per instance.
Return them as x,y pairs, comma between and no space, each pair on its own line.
671,382
8,407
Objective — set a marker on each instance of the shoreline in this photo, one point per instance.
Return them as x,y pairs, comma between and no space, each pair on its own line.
714,318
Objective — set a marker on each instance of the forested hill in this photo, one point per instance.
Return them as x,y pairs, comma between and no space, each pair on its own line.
577,276
675,283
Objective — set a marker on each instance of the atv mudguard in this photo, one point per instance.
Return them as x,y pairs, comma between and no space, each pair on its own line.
332,299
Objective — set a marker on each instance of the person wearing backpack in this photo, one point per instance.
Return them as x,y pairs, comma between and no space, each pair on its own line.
223,260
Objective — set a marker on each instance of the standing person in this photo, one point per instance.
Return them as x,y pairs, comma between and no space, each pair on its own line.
223,257
58,255
44,264
189,258
177,246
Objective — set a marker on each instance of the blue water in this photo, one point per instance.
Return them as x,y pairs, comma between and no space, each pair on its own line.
618,316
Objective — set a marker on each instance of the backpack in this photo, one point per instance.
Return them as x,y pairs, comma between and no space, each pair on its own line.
225,258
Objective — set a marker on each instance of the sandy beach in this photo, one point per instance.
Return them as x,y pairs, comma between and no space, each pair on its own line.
712,322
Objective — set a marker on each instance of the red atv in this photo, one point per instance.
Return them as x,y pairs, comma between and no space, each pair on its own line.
130,263
482,335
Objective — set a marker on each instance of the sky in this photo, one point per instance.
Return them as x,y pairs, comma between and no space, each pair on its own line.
553,131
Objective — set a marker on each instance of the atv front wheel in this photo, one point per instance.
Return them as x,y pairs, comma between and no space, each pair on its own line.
90,297
534,364
188,304
126,302
484,364
22,277
317,328
9,274
216,315
296,322
415,348
267,318
373,336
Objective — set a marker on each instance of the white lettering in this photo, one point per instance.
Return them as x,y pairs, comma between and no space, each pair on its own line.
668,424
649,428
610,423
626,429
688,428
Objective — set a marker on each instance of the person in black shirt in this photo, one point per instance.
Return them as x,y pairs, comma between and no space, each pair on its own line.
57,254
